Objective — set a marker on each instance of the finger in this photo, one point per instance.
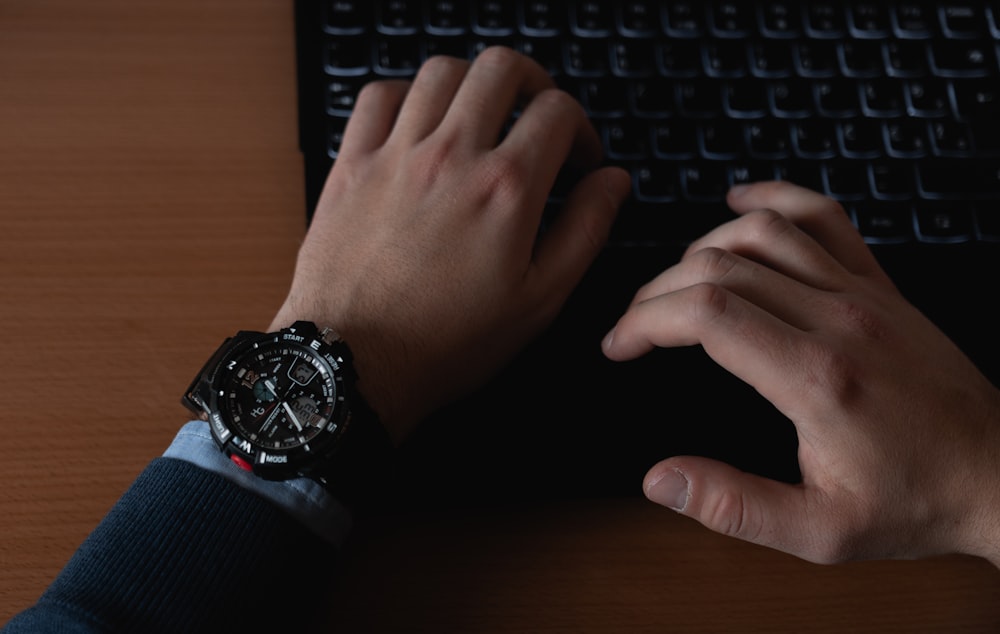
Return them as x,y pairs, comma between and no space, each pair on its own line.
429,97
776,293
743,505
579,232
373,117
772,240
485,101
817,215
754,345
552,130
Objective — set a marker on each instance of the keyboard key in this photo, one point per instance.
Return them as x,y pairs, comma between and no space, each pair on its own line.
963,59
808,174
861,58
626,140
883,97
652,98
791,99
825,19
592,19
493,18
905,58
675,139
838,97
705,182
892,180
398,17
861,138
746,98
587,58
816,58
446,17
397,57
771,59
944,222
347,17
347,57
781,19
747,173
847,180
962,20
928,97
906,138
542,18
639,18
959,179
604,97
913,20
685,19
884,223
723,58
869,19
951,138
702,99
680,58
342,95
633,58
815,138
732,18
768,139
722,139
657,182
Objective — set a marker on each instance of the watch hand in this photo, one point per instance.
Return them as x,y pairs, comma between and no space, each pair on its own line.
270,388
291,415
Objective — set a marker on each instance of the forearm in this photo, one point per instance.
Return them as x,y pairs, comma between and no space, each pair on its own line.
180,552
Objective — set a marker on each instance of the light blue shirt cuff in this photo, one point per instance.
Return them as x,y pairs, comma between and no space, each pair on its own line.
304,499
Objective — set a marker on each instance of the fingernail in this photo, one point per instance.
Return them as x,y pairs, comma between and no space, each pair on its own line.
608,339
738,190
671,490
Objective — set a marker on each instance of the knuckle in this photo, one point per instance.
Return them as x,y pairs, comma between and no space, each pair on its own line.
709,301
732,515
766,224
832,373
714,263
498,56
503,176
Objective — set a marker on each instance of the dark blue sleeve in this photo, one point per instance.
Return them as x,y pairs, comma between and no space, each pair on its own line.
186,550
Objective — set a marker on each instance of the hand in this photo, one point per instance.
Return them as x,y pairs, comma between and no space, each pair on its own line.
422,252
899,435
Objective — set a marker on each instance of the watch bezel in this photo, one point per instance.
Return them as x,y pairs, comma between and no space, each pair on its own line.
268,462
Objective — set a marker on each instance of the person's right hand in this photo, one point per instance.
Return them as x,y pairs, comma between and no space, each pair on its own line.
899,434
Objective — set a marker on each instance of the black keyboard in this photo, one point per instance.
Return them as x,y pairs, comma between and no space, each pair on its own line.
891,108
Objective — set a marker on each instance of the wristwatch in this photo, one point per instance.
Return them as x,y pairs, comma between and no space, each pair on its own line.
284,405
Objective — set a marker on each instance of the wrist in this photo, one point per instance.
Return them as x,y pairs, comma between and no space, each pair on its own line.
980,526
369,363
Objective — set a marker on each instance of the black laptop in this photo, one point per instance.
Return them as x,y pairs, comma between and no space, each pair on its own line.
889,107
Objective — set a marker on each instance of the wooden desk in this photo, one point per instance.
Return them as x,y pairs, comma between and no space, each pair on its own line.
151,202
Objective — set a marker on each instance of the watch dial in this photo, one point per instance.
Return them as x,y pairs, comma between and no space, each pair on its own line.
280,396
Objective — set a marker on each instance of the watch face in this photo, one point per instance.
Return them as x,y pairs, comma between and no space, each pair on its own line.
280,396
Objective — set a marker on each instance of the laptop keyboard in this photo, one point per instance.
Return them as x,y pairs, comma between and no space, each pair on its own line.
891,108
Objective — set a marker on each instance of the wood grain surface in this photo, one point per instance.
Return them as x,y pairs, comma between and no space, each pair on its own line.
151,203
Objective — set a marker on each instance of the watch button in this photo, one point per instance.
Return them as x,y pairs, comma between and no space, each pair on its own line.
241,463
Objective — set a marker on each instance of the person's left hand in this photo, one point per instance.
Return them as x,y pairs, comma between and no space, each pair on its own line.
422,252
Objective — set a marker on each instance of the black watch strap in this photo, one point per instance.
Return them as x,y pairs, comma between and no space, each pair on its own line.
359,470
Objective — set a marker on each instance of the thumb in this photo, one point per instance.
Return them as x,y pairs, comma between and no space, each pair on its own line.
738,504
